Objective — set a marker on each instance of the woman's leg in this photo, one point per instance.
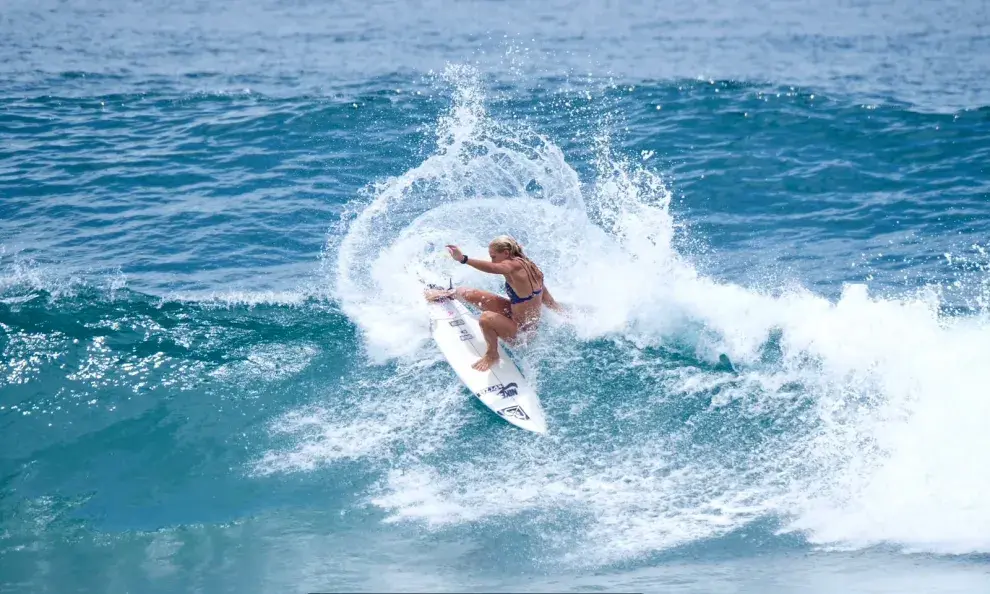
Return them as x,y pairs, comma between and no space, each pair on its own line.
495,321
494,326
485,301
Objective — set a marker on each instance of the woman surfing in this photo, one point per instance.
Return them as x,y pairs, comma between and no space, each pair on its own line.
502,317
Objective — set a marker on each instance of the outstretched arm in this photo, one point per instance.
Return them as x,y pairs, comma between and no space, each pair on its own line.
483,265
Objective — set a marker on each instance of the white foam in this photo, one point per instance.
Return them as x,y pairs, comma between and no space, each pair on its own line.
478,164
915,476
234,298
21,278
413,405
269,362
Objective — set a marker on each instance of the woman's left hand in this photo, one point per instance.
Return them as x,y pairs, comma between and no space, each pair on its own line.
455,252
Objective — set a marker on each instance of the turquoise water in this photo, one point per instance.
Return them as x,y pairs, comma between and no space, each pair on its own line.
217,374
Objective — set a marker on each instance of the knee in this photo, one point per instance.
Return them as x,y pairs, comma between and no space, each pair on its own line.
486,319
466,294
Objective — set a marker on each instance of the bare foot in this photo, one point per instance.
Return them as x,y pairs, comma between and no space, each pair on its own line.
485,363
437,294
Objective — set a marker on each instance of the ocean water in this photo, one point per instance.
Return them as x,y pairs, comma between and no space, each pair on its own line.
216,373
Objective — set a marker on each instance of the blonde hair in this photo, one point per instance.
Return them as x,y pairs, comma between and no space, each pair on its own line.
505,243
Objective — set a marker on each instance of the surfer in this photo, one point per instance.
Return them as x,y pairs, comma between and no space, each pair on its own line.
503,317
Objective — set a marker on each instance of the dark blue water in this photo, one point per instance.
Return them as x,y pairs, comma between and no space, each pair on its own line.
216,371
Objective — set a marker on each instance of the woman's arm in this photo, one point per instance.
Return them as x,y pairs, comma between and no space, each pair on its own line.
550,302
483,265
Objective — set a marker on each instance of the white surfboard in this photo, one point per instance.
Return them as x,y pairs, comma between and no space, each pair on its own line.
502,388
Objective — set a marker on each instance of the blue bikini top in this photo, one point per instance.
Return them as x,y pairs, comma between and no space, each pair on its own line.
513,298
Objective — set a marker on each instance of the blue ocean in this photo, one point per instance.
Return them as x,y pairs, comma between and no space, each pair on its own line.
769,222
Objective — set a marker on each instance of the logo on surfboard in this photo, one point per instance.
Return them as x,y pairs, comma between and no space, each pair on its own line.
465,334
516,412
504,391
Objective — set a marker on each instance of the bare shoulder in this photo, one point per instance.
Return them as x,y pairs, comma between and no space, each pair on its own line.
511,266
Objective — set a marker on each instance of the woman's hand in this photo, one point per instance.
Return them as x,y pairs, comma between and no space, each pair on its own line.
455,252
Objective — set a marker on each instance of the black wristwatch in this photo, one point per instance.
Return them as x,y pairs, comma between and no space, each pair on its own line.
464,259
